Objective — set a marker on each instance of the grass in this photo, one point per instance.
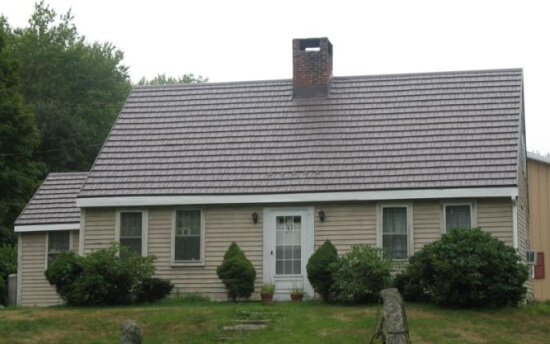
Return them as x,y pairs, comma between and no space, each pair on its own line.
308,322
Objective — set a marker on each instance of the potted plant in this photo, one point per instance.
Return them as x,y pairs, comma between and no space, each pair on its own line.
268,290
297,294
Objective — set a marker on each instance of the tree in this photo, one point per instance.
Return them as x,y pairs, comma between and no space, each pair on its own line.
19,174
76,89
162,79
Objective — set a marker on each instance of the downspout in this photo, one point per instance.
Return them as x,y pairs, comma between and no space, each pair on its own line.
515,236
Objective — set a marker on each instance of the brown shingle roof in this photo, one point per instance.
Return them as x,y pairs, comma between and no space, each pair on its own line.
55,201
439,130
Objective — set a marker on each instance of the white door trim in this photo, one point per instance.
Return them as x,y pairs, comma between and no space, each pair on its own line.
270,213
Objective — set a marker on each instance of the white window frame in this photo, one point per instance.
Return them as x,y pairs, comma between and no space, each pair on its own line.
380,226
48,244
144,227
473,213
201,261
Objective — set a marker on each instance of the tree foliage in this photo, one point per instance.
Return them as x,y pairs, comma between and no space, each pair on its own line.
76,89
19,174
162,79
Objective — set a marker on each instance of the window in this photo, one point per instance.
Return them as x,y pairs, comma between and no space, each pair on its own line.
131,230
58,242
288,250
458,216
395,231
188,237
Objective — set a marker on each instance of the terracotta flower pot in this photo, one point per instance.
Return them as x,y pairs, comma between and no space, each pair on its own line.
266,298
296,297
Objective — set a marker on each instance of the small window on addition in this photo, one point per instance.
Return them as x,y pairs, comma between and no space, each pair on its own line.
131,225
58,242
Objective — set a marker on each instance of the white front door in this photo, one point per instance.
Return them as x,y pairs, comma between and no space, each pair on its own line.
288,244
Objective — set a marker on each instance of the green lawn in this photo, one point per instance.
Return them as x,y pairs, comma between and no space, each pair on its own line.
308,322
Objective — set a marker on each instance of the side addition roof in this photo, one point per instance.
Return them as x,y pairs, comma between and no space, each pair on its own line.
53,206
372,133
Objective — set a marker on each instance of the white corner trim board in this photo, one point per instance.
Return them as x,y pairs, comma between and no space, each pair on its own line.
47,227
297,197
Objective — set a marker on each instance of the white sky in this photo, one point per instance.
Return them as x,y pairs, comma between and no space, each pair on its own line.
235,40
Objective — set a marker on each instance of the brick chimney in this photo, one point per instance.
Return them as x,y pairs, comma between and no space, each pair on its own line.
312,67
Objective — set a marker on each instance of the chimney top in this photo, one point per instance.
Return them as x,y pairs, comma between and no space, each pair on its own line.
312,67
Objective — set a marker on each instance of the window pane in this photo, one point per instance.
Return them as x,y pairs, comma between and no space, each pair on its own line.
133,244
297,267
188,235
458,216
395,220
394,236
396,245
288,249
130,224
188,248
57,242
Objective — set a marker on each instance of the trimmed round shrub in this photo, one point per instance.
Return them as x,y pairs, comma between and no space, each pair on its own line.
319,271
237,273
360,275
153,289
468,268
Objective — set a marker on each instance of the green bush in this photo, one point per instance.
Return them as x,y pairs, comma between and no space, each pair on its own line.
63,272
8,260
153,289
104,277
468,268
360,274
319,270
8,266
408,285
237,273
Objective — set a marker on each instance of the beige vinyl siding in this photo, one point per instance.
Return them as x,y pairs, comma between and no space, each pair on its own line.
35,289
345,225
539,218
99,228
426,223
223,226
495,216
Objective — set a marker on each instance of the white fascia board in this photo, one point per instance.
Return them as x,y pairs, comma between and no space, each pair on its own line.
537,157
133,201
47,227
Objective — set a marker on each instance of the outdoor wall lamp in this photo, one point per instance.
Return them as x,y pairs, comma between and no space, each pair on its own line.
322,216
255,217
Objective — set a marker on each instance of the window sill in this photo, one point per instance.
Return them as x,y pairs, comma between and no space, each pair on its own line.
187,264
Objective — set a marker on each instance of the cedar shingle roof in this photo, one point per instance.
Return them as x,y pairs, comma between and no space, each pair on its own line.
55,201
439,130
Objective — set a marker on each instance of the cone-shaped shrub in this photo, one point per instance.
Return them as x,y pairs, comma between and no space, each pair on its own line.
319,271
237,273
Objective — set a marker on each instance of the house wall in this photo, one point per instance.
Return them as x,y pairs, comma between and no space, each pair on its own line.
539,218
35,289
345,224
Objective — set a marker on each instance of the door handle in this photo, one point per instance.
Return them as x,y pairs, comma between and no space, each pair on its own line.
271,252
